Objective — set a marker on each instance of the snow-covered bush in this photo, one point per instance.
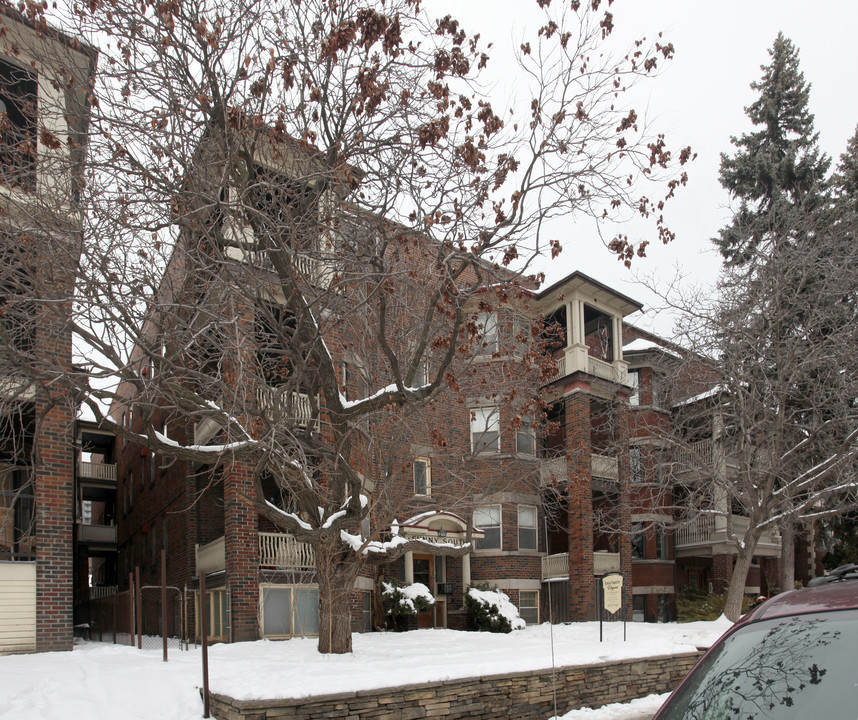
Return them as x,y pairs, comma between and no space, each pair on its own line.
402,600
491,610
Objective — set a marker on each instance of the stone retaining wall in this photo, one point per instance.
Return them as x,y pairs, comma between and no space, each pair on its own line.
521,695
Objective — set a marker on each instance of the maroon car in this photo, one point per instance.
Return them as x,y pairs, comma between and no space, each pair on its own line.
795,657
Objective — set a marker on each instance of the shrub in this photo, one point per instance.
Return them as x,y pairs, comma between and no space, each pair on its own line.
694,605
401,600
491,610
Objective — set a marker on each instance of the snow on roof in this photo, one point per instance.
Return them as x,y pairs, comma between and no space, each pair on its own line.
642,345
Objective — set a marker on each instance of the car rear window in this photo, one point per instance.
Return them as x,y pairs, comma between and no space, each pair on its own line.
799,667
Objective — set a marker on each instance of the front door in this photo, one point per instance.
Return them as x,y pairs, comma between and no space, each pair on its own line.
423,574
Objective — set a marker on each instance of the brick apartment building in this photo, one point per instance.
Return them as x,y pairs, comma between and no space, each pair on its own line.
44,78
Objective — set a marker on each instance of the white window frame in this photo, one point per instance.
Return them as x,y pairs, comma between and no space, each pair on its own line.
526,430
484,509
484,420
533,527
522,606
634,377
636,465
487,322
426,463
294,622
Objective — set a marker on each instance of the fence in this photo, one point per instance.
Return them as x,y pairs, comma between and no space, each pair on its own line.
149,616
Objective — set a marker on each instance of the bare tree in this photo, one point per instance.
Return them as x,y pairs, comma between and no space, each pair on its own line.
767,432
302,220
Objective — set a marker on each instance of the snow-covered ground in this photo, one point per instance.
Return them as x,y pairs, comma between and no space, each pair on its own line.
99,680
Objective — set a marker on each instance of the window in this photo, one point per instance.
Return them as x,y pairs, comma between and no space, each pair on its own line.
488,519
525,442
153,461
639,608
636,471
17,515
422,476
528,606
485,427
289,610
526,527
634,379
18,113
487,343
638,544
661,543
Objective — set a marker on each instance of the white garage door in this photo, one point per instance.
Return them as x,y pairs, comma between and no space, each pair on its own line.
17,607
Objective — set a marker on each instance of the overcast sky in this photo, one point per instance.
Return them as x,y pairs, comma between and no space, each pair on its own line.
699,100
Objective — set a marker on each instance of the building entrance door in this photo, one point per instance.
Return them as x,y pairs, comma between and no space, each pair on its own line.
423,574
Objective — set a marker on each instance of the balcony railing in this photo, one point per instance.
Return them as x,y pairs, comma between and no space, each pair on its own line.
604,466
557,566
711,529
97,471
695,455
284,551
551,470
296,406
576,359
212,556
96,533
102,591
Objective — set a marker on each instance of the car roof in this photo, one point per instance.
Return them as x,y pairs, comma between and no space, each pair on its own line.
842,595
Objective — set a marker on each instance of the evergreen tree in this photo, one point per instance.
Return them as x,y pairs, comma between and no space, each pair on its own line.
778,171
845,179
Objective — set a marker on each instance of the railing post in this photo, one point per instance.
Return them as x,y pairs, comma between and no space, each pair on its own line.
164,599
204,627
139,604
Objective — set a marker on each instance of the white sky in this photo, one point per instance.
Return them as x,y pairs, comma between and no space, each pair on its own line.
698,100
101,680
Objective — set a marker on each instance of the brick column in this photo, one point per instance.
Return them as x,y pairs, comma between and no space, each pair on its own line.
241,533
580,505
54,529
722,571
624,515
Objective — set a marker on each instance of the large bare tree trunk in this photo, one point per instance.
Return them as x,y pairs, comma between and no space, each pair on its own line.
336,575
787,578
736,590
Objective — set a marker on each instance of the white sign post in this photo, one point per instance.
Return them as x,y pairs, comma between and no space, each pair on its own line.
611,591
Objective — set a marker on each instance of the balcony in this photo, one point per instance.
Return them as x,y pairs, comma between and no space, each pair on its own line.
708,535
296,406
552,470
695,455
577,359
96,534
276,550
604,466
103,472
279,550
557,566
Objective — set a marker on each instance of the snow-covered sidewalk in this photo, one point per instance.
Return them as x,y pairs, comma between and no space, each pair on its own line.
102,680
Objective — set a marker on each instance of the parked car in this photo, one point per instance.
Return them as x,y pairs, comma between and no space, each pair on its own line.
793,657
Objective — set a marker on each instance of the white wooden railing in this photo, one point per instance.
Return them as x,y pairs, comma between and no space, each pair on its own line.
557,566
699,531
695,455
97,471
102,591
284,551
605,562
568,361
295,405
96,533
604,466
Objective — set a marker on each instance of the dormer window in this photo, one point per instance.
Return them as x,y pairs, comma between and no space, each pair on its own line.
18,114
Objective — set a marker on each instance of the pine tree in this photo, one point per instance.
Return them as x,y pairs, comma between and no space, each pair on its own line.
845,179
778,171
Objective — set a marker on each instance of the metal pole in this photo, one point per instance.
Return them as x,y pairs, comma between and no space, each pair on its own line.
131,597
185,631
601,606
114,605
204,627
164,599
139,607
